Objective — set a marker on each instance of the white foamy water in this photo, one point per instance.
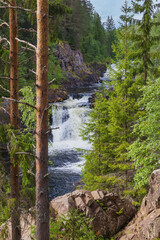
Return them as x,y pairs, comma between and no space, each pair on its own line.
69,117
71,167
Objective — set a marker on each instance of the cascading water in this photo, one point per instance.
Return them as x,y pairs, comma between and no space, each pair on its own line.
67,118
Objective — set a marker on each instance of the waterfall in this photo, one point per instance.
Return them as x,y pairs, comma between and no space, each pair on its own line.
67,119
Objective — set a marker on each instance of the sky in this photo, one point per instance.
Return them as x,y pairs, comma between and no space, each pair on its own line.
112,8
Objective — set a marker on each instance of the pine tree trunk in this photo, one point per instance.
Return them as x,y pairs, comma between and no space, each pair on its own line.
42,201
15,214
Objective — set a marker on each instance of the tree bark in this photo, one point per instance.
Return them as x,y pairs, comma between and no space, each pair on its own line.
42,201
15,195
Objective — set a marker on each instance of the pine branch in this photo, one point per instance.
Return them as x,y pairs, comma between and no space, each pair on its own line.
4,39
13,100
6,90
3,77
5,110
27,43
29,49
51,82
25,153
28,30
17,8
32,71
4,24
49,130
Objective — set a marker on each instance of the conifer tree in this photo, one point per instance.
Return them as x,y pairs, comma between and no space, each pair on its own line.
14,116
143,38
107,164
42,201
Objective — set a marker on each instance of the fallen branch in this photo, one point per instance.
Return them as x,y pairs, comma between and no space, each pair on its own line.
27,43
13,100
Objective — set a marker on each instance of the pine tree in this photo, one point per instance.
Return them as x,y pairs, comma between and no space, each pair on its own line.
14,116
107,164
42,201
110,35
143,38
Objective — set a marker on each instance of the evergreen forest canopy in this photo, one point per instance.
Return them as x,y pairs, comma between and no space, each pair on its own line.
74,22
124,123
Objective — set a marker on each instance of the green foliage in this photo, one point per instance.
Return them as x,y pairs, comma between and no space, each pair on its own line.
109,128
145,150
72,226
28,113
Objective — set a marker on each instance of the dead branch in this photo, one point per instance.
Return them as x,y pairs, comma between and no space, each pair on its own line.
4,39
51,82
6,62
49,130
27,43
13,100
27,30
46,175
6,90
29,49
28,59
5,77
31,173
4,24
5,110
32,71
25,153
18,8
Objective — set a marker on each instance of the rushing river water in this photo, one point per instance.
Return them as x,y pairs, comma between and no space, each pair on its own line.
67,161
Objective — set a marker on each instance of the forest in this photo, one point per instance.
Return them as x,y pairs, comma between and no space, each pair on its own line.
123,120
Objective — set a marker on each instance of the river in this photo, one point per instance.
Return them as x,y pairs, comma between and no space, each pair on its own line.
66,160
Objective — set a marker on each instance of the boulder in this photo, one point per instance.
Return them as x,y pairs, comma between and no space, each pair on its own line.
109,213
146,224
27,220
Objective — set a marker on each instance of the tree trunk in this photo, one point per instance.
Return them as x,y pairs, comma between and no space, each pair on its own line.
42,201
15,214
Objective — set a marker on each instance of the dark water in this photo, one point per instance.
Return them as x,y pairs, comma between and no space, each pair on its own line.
65,170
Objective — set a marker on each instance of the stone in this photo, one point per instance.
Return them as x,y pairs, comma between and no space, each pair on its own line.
108,212
146,224
27,220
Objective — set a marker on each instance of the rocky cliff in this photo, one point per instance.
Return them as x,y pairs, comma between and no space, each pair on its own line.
146,224
77,72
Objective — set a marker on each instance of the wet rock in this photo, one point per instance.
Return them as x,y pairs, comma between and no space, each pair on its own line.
108,212
146,224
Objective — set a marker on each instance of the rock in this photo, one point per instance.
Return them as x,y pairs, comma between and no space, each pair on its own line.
27,220
78,74
108,212
146,224
57,95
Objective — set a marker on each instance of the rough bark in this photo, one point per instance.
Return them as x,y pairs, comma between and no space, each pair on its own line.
42,201
15,215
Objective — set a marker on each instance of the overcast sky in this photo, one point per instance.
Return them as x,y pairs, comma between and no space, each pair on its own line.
112,8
